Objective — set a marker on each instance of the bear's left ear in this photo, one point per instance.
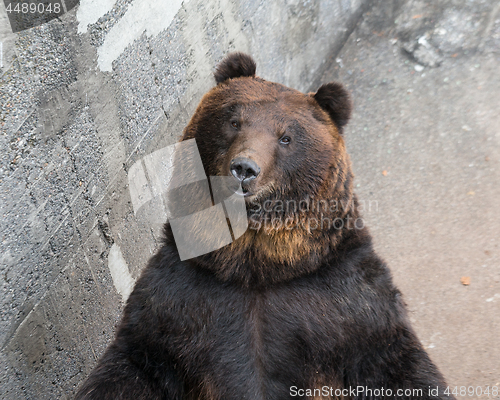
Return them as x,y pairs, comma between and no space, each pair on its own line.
234,66
334,99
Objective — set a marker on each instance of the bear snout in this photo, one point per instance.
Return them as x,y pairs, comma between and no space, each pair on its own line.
244,169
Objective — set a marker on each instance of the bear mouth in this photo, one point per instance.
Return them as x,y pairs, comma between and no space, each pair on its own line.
243,192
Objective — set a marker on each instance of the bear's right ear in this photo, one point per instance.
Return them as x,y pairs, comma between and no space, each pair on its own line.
233,66
334,99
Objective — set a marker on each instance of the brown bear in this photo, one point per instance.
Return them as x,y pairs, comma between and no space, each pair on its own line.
298,307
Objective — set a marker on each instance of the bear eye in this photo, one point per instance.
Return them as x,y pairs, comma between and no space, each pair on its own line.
235,124
285,140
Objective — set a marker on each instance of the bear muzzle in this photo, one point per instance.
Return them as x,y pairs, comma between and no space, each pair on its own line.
245,170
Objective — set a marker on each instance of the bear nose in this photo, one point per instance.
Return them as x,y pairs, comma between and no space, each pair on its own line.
244,169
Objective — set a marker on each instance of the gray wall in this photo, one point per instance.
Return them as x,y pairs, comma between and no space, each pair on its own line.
83,99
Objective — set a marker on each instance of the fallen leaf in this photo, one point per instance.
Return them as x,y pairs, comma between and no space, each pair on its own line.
465,280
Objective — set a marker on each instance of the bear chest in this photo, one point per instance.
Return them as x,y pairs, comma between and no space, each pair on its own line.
257,344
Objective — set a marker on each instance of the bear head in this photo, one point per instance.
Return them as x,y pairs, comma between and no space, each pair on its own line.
286,150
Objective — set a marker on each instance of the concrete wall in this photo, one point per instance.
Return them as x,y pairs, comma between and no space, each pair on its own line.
83,99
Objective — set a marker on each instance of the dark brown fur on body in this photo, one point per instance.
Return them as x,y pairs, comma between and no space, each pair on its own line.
278,308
